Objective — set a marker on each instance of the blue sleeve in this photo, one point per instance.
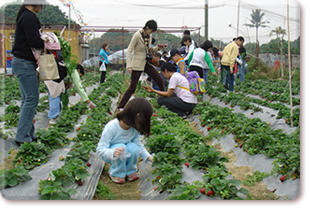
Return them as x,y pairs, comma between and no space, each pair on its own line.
144,154
103,148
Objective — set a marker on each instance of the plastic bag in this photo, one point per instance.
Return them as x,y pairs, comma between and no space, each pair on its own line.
102,67
125,154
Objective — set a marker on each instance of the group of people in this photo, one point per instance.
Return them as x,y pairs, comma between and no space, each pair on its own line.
120,143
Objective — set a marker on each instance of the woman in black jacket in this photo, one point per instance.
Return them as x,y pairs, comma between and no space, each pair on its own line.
27,36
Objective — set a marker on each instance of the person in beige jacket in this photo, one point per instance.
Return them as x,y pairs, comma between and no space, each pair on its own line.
136,60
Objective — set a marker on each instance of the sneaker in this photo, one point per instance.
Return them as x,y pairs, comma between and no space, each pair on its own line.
117,180
52,122
132,177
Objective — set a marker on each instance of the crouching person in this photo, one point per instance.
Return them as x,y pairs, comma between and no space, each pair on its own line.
120,143
178,98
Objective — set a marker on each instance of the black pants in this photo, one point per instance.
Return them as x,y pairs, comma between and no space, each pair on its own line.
198,69
135,75
175,104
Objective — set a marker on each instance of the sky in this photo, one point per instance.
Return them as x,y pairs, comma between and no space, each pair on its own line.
177,13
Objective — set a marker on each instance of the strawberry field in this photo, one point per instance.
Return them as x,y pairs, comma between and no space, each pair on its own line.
233,146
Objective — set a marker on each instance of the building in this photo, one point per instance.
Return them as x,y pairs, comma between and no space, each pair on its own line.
77,42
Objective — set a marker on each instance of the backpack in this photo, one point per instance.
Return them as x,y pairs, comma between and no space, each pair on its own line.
196,84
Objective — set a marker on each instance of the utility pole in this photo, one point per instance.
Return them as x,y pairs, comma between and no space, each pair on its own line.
238,18
289,63
206,19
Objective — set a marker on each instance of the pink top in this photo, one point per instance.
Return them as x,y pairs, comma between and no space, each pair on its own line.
186,96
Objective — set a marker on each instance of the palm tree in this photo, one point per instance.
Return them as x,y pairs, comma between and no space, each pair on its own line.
279,31
257,22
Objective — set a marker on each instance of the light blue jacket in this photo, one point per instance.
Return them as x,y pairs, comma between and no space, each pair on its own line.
112,134
104,54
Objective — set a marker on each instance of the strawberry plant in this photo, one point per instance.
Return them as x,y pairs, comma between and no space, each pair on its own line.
52,138
13,176
256,177
53,190
185,191
203,156
31,155
215,180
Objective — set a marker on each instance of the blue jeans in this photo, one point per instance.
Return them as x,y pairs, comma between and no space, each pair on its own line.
54,105
230,78
241,71
126,167
25,71
206,72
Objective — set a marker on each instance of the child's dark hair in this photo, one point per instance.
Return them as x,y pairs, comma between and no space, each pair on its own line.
134,107
215,52
206,45
79,66
186,32
169,67
151,24
104,46
187,37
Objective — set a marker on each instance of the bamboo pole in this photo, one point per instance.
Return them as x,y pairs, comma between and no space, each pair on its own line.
289,63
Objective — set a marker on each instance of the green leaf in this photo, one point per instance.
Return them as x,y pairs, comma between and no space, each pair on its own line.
56,197
13,181
47,190
45,197
215,182
244,191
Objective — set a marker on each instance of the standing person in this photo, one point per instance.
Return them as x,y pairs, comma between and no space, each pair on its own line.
137,62
120,143
178,97
199,59
229,56
179,61
77,85
187,40
241,66
103,56
27,36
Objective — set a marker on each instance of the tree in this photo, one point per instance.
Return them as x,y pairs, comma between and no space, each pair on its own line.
50,15
256,22
279,31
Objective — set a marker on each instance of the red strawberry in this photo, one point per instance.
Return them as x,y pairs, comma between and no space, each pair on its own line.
252,113
155,188
187,164
203,125
210,192
237,140
88,164
231,106
241,145
154,115
158,177
203,190
71,149
7,103
34,121
79,128
80,183
283,178
209,128
110,113
287,120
